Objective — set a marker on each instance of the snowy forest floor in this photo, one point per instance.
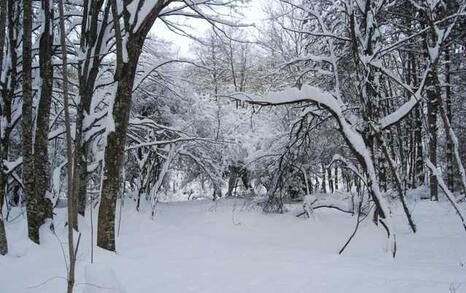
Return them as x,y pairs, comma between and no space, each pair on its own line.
230,246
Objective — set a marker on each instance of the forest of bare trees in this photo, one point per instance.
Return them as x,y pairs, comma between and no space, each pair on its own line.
318,99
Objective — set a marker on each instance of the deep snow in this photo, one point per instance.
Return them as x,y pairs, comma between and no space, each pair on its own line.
231,246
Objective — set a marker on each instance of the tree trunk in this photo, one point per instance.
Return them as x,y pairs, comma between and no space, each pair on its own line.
330,180
398,183
419,175
412,153
4,138
432,108
115,148
233,178
69,155
449,114
381,167
419,157
41,174
33,209
91,41
336,178
324,180
114,155
451,136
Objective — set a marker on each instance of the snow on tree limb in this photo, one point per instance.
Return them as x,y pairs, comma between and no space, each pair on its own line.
354,139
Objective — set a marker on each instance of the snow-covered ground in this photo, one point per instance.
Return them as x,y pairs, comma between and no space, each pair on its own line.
230,246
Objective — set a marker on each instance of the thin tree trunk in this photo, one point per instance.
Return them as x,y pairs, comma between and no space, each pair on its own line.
419,175
233,178
412,153
324,180
8,92
432,109
69,154
3,150
381,165
419,157
330,180
158,183
306,181
449,114
433,91
91,41
336,178
398,183
449,195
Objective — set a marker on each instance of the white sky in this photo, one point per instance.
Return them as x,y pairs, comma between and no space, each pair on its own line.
253,13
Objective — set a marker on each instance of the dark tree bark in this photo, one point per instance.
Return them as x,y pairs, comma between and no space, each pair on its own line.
336,178
330,180
41,172
419,156
432,111
449,114
232,179
33,209
382,169
324,180
433,93
115,149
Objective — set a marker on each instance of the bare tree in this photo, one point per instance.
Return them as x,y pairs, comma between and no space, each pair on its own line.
33,203
69,152
94,25
3,150
41,140
131,29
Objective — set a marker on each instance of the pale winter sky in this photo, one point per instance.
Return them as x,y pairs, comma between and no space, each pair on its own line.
253,13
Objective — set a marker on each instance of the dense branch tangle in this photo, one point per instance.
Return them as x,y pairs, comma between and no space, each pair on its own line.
353,30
